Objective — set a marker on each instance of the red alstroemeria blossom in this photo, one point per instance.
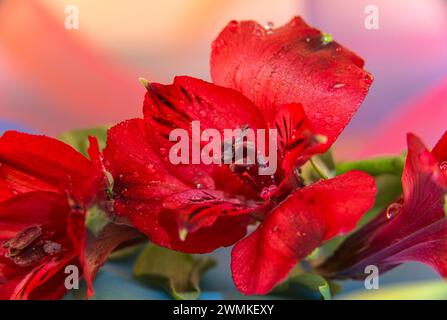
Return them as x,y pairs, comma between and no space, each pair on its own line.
412,229
200,207
45,190
293,63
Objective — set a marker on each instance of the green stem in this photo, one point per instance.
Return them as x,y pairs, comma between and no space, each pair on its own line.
318,169
374,166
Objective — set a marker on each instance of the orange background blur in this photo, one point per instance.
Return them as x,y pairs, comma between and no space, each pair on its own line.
53,79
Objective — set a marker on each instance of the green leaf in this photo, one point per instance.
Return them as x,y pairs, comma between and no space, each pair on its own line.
78,139
375,166
315,255
177,273
300,281
315,283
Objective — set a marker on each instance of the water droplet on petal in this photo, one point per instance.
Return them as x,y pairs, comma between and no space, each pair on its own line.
392,210
368,79
199,186
443,166
338,85
218,44
233,25
269,27
267,191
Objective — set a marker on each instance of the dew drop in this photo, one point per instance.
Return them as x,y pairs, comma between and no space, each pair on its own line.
338,85
218,44
267,191
368,79
392,210
269,27
233,25
199,186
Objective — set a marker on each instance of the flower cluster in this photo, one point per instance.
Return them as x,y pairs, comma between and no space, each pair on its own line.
294,80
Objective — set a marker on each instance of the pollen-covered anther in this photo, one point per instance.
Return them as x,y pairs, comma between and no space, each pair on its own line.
23,239
25,248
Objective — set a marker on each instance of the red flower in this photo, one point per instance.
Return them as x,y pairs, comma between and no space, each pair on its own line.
45,190
412,229
293,63
200,207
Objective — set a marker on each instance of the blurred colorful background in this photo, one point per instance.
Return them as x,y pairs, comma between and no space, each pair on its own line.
53,79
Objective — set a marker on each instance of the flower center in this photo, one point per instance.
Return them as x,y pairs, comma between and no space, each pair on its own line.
28,247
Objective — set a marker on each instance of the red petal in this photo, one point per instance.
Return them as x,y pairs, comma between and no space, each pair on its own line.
190,99
295,137
175,106
50,211
33,208
201,208
136,165
415,231
161,227
297,226
44,162
440,150
291,64
35,284
265,257
143,183
343,200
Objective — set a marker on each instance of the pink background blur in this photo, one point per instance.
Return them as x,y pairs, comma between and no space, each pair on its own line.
53,79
